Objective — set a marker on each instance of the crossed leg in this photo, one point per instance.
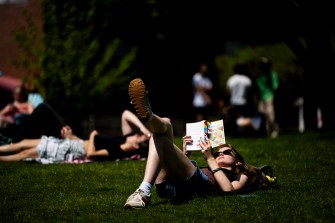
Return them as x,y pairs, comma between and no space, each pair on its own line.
26,148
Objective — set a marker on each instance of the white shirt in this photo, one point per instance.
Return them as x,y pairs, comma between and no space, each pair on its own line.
200,80
238,84
35,99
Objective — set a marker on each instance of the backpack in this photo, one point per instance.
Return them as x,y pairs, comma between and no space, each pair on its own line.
260,178
267,179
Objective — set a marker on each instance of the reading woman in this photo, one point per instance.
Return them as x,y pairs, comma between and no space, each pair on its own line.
169,169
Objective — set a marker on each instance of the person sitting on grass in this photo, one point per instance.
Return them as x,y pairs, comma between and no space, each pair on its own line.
49,149
44,120
171,171
15,112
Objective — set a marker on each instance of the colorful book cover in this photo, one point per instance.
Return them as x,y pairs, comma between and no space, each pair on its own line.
214,131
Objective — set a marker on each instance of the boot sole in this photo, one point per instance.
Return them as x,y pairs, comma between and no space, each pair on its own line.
137,95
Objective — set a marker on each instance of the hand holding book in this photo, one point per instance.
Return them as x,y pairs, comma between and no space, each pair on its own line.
198,130
186,141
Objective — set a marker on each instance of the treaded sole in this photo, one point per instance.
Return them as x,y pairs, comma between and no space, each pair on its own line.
137,95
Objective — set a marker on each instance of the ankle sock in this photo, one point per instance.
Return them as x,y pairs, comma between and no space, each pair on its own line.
145,187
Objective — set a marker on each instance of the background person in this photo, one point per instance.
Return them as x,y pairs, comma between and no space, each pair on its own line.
70,147
240,92
202,86
268,83
133,144
15,112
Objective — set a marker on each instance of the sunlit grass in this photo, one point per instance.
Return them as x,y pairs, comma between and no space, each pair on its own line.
96,192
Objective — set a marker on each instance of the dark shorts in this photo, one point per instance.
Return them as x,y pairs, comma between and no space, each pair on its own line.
197,184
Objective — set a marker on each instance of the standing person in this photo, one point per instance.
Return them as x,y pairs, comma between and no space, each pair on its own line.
268,83
169,169
240,115
240,92
202,85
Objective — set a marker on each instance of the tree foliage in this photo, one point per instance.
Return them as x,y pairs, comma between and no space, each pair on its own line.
84,59
31,47
93,48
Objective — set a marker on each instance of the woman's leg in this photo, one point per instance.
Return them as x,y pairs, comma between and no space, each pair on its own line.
27,153
163,154
164,159
20,146
160,125
154,123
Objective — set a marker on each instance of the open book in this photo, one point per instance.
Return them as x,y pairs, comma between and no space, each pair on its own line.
214,131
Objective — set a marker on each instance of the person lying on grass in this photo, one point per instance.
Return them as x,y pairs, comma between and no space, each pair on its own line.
171,171
50,149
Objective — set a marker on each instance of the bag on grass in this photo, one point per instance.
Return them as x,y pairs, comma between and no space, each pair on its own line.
268,180
260,178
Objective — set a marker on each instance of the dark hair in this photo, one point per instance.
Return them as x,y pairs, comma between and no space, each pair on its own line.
21,93
256,178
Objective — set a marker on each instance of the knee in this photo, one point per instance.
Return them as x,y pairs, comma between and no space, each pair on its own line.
24,154
167,122
125,113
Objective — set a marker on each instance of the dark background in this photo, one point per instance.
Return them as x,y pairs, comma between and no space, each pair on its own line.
172,38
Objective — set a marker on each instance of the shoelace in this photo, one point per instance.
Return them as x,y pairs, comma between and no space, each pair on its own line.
134,195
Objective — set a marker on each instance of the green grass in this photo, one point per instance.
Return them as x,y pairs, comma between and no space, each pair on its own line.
96,192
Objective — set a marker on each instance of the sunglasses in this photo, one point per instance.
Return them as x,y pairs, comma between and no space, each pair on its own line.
226,152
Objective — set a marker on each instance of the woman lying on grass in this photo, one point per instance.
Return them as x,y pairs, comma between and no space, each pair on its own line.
50,149
172,173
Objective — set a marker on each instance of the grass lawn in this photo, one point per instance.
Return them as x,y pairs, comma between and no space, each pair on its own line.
96,192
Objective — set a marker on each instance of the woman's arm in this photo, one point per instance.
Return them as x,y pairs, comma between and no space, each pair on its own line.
8,108
220,176
223,181
91,152
129,120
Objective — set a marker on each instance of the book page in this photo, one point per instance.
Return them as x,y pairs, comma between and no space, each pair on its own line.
216,133
196,130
